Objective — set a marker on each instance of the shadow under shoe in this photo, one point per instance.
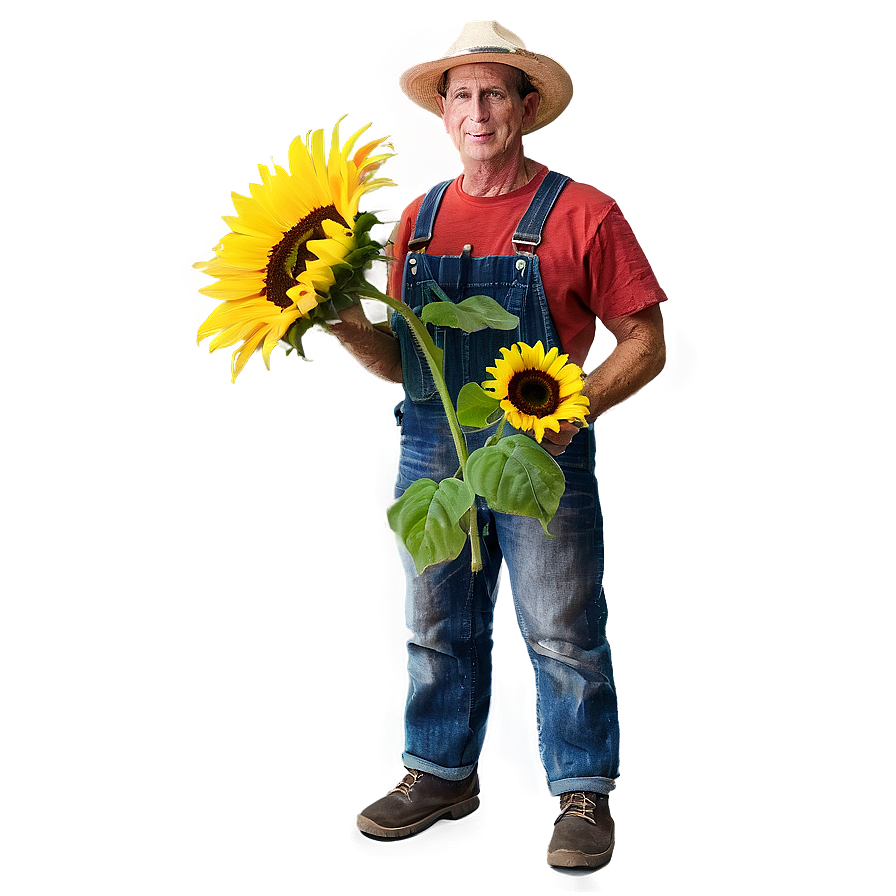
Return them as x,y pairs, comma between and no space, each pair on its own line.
416,802
584,833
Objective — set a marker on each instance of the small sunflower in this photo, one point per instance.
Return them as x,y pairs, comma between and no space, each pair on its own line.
296,236
537,390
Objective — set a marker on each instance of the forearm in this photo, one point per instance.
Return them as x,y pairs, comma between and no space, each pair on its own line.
638,357
375,349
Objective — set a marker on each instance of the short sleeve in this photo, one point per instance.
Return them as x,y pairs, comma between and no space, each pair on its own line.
398,250
624,282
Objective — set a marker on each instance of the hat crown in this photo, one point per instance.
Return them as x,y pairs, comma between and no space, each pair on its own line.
487,35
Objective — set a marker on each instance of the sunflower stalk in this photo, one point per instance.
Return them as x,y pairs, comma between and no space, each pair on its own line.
433,355
499,433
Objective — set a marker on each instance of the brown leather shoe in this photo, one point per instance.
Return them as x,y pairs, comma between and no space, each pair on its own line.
584,833
417,802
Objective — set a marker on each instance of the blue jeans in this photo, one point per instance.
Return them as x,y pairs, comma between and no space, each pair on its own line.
562,615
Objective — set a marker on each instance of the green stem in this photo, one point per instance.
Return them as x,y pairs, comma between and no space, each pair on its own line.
499,432
431,353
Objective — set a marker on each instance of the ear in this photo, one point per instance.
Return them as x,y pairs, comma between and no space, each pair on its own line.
530,108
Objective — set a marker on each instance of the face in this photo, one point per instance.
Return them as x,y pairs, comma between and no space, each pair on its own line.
484,114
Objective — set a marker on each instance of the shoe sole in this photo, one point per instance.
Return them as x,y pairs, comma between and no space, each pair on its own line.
458,810
573,858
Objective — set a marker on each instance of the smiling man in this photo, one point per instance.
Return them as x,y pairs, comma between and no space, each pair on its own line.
560,256
485,107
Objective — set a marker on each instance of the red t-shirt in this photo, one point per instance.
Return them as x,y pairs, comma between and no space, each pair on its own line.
591,264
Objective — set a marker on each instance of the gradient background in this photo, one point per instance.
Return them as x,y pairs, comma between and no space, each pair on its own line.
201,641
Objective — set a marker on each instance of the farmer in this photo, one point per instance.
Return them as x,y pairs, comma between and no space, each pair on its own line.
560,256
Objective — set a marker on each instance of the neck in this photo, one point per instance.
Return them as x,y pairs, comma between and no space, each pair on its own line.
484,179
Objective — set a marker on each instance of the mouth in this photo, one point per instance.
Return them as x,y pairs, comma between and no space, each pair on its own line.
480,138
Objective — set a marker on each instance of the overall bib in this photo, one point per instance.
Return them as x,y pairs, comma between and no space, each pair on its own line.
556,583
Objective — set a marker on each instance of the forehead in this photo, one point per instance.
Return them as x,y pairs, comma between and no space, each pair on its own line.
493,73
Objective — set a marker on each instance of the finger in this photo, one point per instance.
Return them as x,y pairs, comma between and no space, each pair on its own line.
555,443
555,446
563,436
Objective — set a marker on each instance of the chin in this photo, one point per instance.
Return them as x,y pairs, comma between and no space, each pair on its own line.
484,152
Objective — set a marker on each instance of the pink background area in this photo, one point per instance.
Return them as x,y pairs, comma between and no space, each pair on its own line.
194,572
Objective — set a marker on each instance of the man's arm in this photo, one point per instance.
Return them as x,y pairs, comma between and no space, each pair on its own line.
375,349
639,356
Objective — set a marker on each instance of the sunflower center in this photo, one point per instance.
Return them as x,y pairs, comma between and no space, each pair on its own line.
534,392
289,258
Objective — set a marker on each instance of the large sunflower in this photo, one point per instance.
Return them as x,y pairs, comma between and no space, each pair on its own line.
291,240
537,390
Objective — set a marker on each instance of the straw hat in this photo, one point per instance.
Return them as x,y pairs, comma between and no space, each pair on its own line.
490,42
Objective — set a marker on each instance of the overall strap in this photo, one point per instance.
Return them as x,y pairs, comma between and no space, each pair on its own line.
426,217
528,233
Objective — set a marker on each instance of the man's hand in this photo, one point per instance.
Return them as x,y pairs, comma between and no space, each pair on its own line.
555,443
375,349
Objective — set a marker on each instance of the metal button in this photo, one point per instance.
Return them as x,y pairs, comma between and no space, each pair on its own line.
520,264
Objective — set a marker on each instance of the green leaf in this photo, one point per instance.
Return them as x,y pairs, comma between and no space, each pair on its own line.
360,256
471,315
517,476
293,336
364,221
427,519
329,310
475,407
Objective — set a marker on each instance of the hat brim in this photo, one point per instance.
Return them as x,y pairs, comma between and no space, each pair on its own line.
554,85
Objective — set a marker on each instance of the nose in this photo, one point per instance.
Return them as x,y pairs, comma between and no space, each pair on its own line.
480,109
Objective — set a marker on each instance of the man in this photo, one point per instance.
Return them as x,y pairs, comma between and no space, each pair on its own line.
559,255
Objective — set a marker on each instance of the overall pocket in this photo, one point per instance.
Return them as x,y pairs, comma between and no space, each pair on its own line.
417,378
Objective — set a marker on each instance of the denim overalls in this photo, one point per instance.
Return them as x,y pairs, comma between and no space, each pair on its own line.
556,583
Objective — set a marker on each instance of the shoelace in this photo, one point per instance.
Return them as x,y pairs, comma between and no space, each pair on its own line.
407,782
579,804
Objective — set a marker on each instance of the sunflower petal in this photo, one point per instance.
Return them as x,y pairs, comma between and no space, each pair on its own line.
257,261
537,390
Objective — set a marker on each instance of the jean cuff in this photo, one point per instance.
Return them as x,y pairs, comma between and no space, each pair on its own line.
591,785
449,774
